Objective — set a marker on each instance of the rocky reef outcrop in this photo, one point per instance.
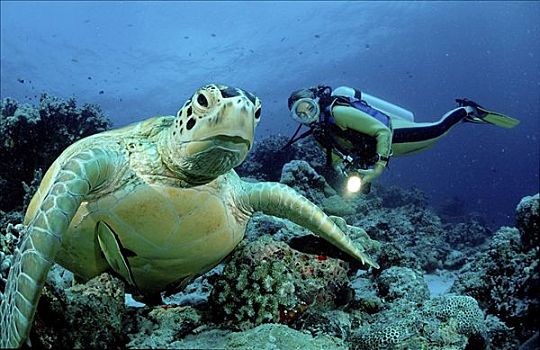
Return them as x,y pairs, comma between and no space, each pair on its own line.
505,278
90,315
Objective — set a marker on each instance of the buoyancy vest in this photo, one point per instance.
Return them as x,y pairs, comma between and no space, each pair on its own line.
361,148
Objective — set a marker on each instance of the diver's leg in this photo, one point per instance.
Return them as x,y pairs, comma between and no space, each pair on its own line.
409,137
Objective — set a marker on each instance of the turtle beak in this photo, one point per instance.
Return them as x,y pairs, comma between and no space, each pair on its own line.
223,140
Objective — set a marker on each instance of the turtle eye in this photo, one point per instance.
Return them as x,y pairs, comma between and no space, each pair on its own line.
258,113
202,101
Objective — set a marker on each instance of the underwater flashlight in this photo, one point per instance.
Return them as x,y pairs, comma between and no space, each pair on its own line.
354,183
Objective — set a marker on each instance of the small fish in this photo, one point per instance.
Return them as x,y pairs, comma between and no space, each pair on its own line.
74,60
101,92
317,36
214,35
89,78
20,81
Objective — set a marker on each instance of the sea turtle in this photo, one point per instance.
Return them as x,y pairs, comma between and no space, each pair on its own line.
157,202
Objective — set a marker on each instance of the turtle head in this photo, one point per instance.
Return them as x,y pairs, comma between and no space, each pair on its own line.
213,132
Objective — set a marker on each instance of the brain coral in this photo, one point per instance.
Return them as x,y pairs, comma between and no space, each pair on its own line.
447,322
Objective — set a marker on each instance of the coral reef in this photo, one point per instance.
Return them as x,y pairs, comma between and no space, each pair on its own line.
299,175
505,278
89,315
402,283
466,234
304,179
447,322
393,311
268,157
500,335
336,323
416,236
267,282
528,221
452,209
9,241
34,136
394,197
155,328
266,336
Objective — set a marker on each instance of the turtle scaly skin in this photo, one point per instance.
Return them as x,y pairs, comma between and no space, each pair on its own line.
157,202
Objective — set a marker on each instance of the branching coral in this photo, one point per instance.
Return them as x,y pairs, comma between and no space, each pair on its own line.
266,281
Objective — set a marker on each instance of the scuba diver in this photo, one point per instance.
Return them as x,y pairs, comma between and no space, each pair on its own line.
360,132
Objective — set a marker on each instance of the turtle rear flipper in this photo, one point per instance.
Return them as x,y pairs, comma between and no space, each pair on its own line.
75,179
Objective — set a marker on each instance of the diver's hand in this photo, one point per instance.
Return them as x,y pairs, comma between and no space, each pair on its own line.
339,168
368,175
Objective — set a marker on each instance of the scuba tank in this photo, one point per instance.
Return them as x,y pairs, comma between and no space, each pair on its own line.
387,108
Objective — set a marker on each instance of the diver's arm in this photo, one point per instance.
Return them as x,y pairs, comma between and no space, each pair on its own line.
352,118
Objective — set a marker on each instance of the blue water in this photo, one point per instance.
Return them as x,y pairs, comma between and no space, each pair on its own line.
139,59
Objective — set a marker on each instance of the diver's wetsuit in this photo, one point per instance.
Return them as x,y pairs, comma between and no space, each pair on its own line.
410,137
395,137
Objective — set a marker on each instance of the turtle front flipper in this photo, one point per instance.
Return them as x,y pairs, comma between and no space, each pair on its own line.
75,178
279,200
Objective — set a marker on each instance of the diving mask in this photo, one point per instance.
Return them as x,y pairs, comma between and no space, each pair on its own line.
306,110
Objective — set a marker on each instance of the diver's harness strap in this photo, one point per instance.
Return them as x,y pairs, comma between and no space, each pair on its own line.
363,153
